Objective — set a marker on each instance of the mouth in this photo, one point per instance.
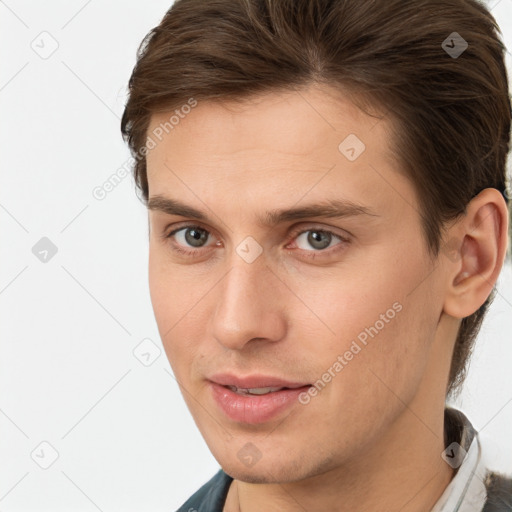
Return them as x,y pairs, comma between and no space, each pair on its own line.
257,381
256,391
254,399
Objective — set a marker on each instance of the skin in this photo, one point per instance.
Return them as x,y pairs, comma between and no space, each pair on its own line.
372,438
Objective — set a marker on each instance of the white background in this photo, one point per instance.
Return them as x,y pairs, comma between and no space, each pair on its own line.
68,375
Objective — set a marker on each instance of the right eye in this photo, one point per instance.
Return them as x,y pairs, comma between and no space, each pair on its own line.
189,239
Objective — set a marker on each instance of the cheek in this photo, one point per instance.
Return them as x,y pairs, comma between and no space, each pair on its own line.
166,293
178,296
160,292
379,328
381,368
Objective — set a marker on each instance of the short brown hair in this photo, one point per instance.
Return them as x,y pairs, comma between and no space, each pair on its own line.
452,111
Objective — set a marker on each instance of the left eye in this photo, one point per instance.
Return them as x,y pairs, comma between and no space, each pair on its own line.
317,239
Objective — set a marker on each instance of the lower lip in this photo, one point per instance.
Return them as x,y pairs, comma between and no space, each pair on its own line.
254,408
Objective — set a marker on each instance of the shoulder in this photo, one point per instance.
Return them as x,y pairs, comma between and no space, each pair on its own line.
211,496
499,493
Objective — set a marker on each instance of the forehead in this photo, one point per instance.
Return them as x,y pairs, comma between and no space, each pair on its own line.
285,144
301,123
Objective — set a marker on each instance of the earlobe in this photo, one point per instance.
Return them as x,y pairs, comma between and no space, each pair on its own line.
475,261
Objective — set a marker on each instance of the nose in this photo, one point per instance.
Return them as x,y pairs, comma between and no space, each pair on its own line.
248,306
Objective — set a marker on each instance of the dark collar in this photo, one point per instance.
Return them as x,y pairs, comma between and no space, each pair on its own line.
457,429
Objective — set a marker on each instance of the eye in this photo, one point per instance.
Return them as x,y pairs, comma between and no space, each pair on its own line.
191,236
195,236
190,239
319,240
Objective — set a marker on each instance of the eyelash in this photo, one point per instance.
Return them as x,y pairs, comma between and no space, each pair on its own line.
312,254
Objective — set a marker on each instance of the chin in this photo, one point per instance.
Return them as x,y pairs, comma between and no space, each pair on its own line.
270,472
250,478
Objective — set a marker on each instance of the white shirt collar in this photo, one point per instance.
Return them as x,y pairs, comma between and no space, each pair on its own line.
466,492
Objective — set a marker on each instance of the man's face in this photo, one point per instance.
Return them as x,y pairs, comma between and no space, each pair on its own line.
291,299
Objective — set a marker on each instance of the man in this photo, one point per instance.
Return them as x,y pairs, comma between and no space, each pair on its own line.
326,188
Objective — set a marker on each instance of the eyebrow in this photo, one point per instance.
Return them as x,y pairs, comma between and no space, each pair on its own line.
329,209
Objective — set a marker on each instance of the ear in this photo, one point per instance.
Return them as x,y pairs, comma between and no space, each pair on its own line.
475,248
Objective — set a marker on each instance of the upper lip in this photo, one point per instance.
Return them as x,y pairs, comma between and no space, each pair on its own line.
254,381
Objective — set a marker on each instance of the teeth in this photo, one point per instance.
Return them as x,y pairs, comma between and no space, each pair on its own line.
254,391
